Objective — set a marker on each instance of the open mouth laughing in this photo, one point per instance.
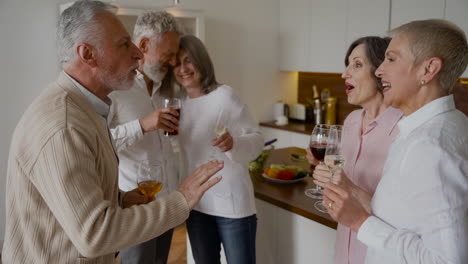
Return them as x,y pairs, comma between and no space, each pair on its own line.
349,87
386,86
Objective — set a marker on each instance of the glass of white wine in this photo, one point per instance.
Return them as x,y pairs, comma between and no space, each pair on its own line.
334,158
149,179
219,129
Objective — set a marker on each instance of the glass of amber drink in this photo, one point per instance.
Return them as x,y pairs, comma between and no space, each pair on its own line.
149,179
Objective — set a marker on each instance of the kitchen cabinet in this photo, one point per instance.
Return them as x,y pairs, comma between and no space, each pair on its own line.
314,34
327,35
367,18
285,138
456,11
285,237
404,11
294,36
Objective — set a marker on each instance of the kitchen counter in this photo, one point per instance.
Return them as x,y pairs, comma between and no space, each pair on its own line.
291,196
292,126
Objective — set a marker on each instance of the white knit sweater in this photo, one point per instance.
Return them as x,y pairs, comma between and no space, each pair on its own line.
233,197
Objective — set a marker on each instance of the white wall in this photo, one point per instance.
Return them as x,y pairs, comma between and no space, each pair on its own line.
241,36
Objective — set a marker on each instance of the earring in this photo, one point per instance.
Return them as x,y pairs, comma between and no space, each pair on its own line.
423,82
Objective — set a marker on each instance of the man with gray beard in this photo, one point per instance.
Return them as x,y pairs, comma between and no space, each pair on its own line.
138,120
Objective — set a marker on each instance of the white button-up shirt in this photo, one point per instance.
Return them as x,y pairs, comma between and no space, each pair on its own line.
420,206
99,106
137,152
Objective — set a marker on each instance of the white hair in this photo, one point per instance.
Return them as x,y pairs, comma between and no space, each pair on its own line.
77,24
153,24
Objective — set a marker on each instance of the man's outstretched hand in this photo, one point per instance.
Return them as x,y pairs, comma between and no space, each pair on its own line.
194,186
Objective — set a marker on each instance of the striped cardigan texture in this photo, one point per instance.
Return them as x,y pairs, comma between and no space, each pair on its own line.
62,187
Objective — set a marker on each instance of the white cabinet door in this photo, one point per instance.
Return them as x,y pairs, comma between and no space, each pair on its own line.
299,140
285,237
312,35
284,137
367,18
327,31
315,34
404,11
294,36
301,240
457,12
267,237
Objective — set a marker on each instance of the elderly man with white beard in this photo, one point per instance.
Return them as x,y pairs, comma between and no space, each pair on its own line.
138,120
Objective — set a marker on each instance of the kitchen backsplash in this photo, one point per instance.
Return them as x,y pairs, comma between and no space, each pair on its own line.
331,81
335,84
460,93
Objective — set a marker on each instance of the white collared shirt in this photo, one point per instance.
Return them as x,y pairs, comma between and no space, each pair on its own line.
99,106
420,206
137,152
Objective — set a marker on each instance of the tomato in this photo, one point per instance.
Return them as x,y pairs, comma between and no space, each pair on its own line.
273,173
287,174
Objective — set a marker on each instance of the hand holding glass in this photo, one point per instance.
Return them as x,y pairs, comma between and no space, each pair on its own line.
219,129
149,179
174,103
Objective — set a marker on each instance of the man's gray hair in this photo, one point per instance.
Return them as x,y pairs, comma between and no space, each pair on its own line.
437,38
153,24
77,24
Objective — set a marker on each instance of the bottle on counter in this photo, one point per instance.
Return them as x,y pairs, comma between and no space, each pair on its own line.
317,106
330,117
324,95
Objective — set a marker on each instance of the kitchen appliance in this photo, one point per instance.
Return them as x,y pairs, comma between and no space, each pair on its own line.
300,113
280,109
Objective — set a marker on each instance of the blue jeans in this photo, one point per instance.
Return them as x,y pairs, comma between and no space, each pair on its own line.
207,232
153,251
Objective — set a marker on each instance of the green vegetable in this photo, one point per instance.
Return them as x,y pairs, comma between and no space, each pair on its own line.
257,164
283,167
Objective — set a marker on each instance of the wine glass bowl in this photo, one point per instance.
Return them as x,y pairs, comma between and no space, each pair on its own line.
317,145
220,124
219,128
149,179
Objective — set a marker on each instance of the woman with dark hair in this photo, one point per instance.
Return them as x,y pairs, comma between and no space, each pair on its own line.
367,135
215,124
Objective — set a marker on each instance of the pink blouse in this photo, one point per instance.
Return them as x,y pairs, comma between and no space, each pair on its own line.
365,155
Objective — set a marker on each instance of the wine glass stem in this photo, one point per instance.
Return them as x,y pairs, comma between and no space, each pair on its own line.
317,187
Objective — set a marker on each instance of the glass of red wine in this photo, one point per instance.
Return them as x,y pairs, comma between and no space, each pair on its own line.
318,145
175,104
